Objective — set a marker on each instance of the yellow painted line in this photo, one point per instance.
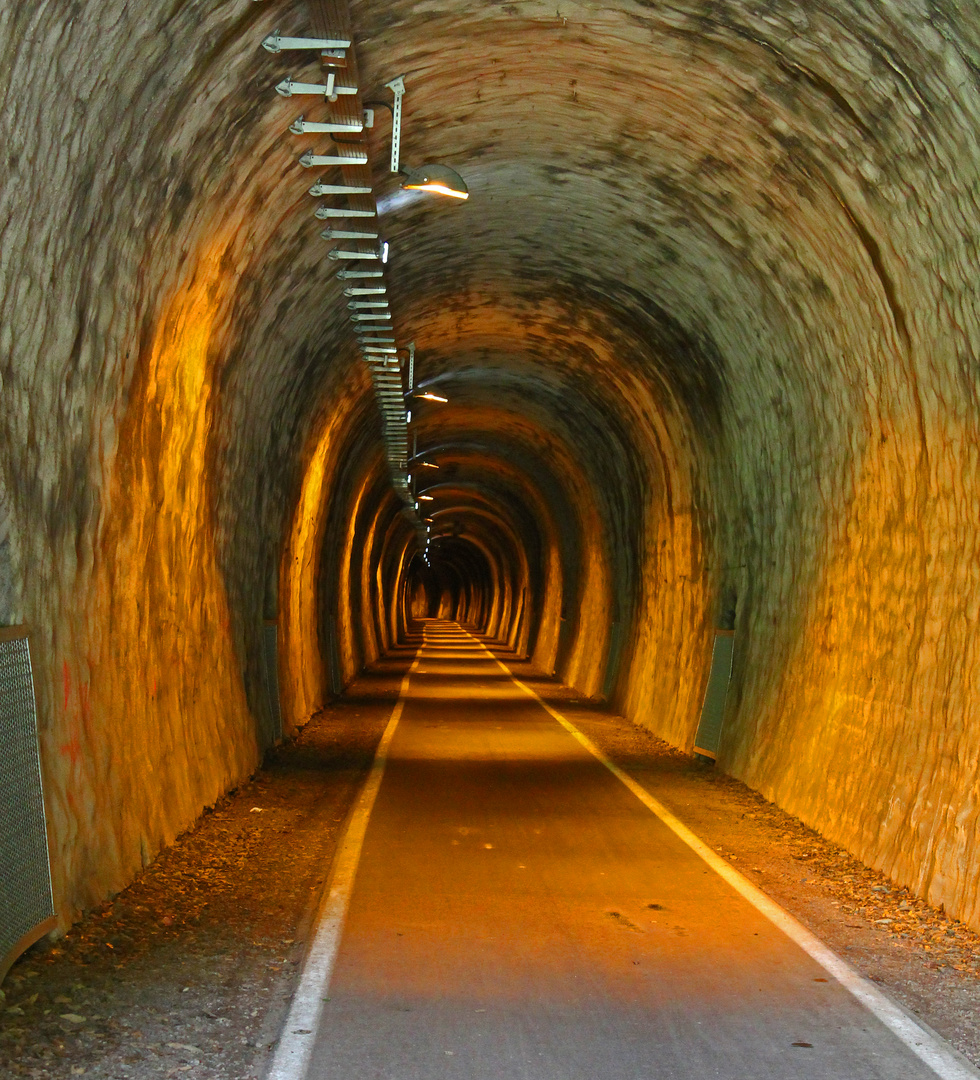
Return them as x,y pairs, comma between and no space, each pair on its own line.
945,1061
292,1057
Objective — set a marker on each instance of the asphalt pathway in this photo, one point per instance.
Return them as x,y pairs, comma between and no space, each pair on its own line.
518,914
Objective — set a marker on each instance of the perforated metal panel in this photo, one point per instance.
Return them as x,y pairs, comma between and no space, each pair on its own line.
26,907
271,646
715,694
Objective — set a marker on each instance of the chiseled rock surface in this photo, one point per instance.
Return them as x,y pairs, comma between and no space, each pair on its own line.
708,326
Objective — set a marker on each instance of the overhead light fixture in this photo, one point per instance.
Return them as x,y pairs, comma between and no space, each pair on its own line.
362,316
439,179
384,252
360,305
347,275
409,417
429,396
372,290
436,178
427,498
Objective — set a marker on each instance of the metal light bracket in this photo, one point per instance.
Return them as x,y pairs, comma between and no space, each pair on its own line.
347,234
320,188
275,43
338,254
309,159
287,88
325,212
301,125
397,87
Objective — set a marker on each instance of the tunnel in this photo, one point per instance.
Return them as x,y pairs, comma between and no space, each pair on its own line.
698,354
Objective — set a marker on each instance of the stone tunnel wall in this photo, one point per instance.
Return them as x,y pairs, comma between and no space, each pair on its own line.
708,324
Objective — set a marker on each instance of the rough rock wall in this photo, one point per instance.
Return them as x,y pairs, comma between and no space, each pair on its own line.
711,307
112,300
860,476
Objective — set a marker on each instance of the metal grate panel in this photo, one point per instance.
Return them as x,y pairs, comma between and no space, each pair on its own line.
270,643
26,905
716,692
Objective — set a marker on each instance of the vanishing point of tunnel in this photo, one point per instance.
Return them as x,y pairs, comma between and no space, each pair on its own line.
640,340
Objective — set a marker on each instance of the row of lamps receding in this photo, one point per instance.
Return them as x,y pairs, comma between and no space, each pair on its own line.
365,259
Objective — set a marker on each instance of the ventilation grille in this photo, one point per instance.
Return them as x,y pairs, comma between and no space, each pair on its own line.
270,643
26,907
713,710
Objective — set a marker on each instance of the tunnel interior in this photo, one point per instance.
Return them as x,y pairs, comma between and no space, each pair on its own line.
707,333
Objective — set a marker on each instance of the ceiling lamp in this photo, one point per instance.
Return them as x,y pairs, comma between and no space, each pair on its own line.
437,178
429,396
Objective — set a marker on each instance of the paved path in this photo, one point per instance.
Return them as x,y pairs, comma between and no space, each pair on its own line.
519,915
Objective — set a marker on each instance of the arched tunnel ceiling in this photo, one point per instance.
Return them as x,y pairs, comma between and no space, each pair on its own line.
708,329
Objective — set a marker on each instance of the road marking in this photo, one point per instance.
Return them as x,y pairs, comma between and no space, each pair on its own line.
292,1056
945,1061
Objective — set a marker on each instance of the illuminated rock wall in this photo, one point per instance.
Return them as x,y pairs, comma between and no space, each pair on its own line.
708,329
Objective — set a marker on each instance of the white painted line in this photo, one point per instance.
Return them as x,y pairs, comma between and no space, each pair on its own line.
292,1056
945,1061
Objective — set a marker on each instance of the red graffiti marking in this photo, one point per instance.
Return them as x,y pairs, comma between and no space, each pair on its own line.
72,749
